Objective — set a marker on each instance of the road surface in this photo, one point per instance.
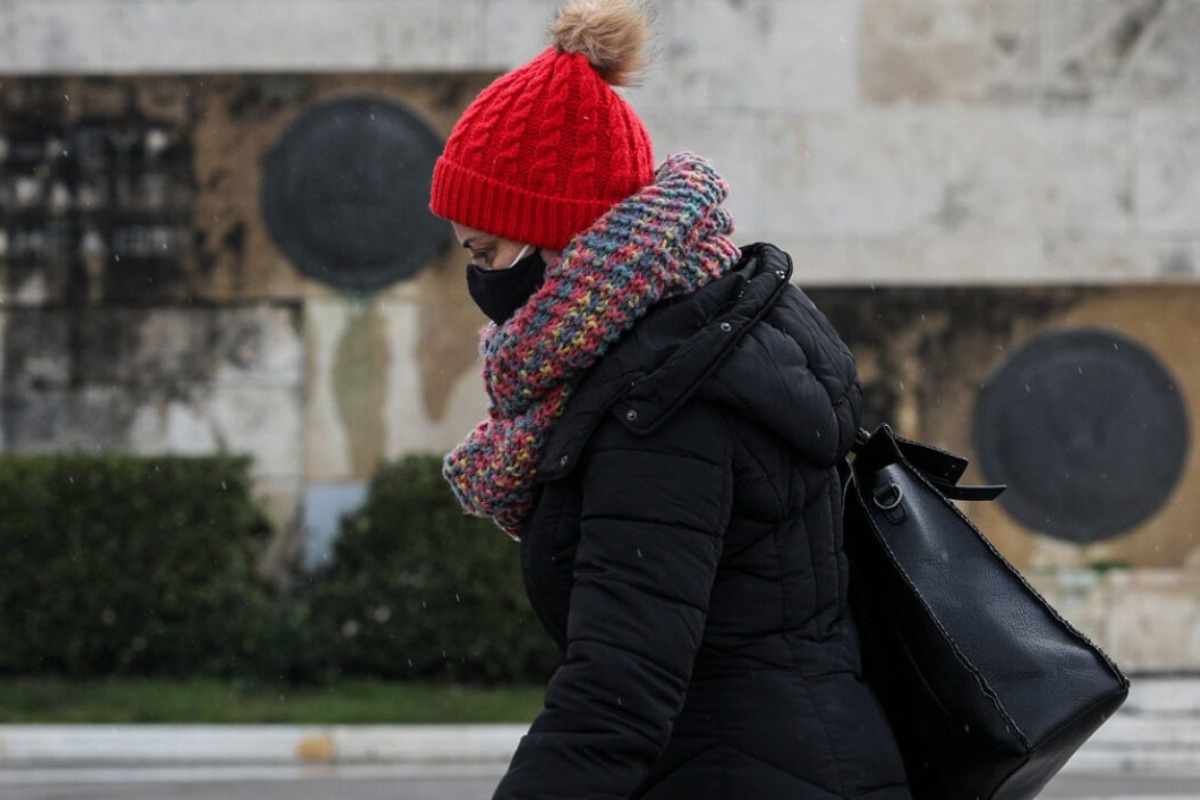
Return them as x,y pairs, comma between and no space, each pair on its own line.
448,783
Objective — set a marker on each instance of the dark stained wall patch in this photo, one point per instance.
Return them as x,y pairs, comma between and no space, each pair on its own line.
101,203
346,192
1089,431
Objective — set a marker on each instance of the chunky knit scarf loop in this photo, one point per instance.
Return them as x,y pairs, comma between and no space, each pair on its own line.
669,239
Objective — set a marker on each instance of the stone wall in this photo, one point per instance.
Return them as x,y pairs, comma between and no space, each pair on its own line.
134,323
956,179
881,141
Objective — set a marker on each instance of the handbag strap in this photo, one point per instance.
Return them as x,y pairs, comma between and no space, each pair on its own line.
982,492
940,468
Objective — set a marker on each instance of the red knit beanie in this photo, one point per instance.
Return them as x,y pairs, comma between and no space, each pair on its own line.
548,148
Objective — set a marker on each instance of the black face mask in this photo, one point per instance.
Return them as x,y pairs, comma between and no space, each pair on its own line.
500,292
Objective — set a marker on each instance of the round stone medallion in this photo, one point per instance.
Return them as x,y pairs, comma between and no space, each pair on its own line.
1089,431
346,193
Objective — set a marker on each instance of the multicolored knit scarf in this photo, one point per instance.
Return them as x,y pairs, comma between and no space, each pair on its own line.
669,239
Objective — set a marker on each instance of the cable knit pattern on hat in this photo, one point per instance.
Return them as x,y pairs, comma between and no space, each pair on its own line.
541,153
669,239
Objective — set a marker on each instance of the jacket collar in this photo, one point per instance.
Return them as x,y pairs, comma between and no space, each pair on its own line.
653,370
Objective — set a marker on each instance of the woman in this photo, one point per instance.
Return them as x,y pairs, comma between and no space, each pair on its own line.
666,417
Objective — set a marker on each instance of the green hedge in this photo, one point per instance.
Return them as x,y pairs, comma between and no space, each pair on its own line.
127,565
419,590
149,566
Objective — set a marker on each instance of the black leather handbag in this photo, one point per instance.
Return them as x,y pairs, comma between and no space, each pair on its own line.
989,690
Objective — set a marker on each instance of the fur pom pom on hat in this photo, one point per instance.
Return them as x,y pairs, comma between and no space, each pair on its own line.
612,36
545,150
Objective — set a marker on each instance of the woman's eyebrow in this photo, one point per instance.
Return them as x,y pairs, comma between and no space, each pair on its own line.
469,244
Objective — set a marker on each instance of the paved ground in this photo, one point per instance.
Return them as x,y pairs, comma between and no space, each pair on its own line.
1148,751
1142,787
362,785
308,790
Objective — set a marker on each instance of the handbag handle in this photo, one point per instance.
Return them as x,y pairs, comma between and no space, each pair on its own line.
940,468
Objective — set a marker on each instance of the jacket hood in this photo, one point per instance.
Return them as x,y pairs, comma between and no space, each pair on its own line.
749,341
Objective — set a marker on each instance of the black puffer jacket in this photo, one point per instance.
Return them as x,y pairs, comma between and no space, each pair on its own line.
685,553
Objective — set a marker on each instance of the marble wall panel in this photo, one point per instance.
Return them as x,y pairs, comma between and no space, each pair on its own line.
22,286
1090,173
1147,620
1122,53
263,422
348,355
86,419
935,258
181,426
919,259
1125,258
936,51
1024,170
754,55
1152,619
997,257
431,34
734,144
446,352
143,348
865,174
239,386
514,31
84,36
259,346
818,261
34,348
412,424
388,377
155,381
1168,172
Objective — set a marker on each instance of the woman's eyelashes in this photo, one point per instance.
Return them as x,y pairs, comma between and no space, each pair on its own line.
481,255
